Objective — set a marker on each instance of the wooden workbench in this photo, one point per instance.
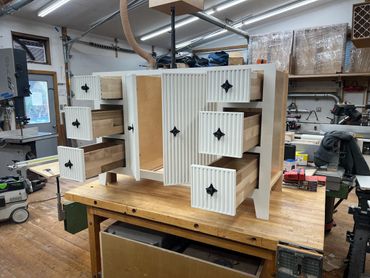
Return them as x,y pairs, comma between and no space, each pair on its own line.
296,217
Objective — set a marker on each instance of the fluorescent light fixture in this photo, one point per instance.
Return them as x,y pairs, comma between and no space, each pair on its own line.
278,11
52,7
229,5
250,21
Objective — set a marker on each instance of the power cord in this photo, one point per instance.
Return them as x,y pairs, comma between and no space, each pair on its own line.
45,200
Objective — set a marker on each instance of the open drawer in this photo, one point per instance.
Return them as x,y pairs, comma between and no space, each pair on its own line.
83,123
234,84
228,133
79,164
122,257
225,184
90,87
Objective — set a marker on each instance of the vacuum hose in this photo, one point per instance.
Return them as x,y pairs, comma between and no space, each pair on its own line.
130,36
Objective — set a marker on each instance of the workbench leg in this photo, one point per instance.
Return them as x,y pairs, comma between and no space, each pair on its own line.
94,241
269,269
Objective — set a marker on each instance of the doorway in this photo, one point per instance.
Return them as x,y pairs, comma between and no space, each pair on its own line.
42,107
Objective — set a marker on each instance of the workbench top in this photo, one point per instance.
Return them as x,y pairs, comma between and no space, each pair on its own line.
296,216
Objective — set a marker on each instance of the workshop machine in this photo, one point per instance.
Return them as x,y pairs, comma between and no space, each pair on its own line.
13,200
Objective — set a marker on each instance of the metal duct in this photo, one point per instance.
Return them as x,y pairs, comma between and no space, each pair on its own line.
336,99
221,24
13,6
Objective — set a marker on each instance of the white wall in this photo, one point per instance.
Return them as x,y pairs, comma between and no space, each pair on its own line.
12,23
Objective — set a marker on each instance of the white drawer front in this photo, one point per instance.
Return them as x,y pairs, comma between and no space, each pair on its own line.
71,163
228,85
184,95
213,189
86,87
79,123
221,133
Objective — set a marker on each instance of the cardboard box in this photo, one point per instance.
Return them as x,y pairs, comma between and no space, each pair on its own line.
272,48
320,50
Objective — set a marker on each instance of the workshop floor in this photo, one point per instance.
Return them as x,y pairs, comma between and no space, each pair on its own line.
41,248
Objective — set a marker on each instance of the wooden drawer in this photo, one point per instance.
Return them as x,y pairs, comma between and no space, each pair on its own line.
89,87
228,133
83,123
225,184
233,84
79,164
123,257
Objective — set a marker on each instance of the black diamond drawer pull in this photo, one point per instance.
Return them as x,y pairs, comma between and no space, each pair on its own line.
130,128
76,123
218,134
211,190
85,88
175,131
226,86
68,164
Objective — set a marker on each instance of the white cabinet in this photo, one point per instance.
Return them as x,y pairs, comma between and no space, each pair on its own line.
233,84
184,96
228,133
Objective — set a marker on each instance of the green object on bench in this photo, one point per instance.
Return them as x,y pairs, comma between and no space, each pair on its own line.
75,217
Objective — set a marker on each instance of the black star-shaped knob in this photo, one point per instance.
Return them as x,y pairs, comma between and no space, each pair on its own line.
85,88
68,164
175,131
76,123
211,190
226,86
218,134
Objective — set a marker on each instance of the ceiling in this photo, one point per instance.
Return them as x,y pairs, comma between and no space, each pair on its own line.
80,14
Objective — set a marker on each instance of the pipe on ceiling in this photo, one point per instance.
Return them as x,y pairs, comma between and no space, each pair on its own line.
221,24
13,6
130,36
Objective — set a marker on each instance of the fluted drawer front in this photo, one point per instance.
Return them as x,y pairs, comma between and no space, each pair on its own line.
78,123
83,123
213,189
221,133
86,87
233,85
71,163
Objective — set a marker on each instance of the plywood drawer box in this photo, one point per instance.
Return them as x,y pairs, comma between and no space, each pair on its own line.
228,133
122,257
90,87
234,84
225,184
79,164
83,123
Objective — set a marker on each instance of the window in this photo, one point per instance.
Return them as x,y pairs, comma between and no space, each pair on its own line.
36,47
37,104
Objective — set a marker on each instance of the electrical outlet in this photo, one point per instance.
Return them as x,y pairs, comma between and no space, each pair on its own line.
318,109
